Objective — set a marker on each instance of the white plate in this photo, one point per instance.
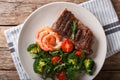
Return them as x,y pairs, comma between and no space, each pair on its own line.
48,14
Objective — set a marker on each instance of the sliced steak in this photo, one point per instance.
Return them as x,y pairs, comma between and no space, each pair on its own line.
83,38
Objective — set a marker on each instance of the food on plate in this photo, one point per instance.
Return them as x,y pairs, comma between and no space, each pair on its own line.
78,53
33,49
61,75
61,51
56,60
89,63
48,39
67,46
67,25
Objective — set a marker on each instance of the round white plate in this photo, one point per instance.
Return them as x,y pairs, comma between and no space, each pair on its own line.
46,16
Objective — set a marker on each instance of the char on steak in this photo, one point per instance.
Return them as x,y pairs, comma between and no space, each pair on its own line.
83,37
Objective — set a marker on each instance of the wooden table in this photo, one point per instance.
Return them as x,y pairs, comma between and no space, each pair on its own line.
14,12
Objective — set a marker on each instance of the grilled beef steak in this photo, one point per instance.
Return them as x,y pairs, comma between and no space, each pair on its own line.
64,23
83,37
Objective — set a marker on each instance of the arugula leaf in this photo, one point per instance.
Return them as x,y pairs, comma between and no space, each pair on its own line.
35,56
54,53
74,28
59,67
71,72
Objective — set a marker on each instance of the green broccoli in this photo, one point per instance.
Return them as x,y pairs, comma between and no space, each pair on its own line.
89,64
38,65
33,49
72,61
72,58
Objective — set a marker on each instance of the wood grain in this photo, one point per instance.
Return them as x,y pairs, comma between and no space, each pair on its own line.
116,4
14,13
108,75
3,42
40,1
6,62
112,63
9,75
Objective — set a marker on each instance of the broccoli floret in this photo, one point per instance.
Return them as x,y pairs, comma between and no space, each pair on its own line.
89,64
72,58
72,61
38,65
33,49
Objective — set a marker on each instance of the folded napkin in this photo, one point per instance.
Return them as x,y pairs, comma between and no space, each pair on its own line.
102,9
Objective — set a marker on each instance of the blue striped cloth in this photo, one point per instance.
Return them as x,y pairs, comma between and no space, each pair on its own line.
105,13
102,9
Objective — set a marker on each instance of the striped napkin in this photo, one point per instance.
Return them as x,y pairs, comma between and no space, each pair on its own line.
102,9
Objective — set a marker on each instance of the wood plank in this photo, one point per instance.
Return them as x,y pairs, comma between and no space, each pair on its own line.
108,75
39,1
9,75
3,42
112,63
13,12
6,62
116,4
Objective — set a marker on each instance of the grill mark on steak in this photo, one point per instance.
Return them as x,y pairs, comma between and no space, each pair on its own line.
83,37
64,22
85,41
57,24
67,29
78,35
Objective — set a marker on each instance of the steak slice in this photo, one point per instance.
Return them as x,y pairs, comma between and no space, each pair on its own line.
83,37
64,23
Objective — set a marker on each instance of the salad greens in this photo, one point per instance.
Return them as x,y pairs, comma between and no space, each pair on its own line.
70,63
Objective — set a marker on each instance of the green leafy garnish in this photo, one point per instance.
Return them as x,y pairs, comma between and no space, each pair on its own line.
74,28
59,67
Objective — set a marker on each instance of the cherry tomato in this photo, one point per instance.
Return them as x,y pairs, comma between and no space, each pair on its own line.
67,46
56,59
61,75
78,53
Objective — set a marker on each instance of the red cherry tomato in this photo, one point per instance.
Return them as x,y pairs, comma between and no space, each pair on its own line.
78,53
61,75
56,59
67,46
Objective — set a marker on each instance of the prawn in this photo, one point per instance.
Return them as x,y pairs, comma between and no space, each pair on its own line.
48,39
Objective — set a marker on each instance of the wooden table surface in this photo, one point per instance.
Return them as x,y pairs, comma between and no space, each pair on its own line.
14,12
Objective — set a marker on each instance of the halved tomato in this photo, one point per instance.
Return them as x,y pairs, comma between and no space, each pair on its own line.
56,59
78,53
61,75
67,46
